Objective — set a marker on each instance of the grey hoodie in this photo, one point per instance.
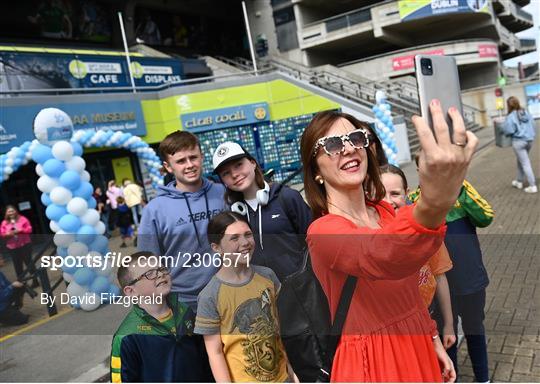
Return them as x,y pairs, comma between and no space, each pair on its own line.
174,224
520,125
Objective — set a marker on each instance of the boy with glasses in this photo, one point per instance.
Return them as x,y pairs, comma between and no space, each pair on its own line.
154,343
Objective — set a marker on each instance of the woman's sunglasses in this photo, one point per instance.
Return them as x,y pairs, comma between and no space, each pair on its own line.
334,145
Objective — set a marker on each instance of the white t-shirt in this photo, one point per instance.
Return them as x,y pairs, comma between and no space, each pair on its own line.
253,203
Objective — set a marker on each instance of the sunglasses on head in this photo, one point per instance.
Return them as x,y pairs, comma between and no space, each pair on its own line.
334,145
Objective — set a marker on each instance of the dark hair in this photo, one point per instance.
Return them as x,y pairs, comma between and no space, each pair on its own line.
219,223
513,104
177,141
389,168
11,206
120,200
315,192
123,275
377,145
231,196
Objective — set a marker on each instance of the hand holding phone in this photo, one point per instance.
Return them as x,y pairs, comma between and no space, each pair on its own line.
438,79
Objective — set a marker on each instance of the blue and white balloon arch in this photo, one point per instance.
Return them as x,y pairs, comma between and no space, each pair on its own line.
385,127
67,195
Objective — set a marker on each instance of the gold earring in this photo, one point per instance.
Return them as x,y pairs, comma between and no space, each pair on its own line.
319,179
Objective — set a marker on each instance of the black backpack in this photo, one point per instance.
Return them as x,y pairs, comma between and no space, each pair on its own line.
307,334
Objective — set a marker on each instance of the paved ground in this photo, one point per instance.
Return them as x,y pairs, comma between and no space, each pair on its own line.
58,350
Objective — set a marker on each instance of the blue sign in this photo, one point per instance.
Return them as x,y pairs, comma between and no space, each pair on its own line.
47,71
225,117
16,122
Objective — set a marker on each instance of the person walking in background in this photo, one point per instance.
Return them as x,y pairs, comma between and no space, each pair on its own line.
468,278
519,125
101,207
124,221
113,192
133,193
16,229
278,214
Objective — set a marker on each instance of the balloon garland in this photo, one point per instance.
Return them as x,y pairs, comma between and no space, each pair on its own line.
67,194
123,140
384,126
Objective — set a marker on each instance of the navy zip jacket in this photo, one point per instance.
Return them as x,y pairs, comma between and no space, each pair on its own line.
146,350
280,230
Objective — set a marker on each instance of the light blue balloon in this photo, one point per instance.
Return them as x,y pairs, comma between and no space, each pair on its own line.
70,269
41,153
77,148
17,162
62,251
100,244
53,167
85,190
69,223
46,199
70,179
100,285
91,203
84,276
114,290
86,234
55,212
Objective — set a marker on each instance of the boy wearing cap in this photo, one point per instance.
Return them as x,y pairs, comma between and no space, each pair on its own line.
174,223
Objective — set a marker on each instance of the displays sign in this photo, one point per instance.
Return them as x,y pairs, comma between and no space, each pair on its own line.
532,92
16,122
417,9
407,62
226,117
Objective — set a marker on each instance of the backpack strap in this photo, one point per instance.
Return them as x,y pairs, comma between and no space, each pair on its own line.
337,326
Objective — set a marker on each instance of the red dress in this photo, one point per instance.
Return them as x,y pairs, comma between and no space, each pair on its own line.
387,336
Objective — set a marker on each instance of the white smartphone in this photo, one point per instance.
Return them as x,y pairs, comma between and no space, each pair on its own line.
437,78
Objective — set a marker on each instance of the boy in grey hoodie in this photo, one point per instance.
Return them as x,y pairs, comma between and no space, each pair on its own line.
174,223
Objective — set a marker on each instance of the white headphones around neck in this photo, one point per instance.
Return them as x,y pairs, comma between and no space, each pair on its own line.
262,196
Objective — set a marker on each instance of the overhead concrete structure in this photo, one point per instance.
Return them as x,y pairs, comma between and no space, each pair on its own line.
377,39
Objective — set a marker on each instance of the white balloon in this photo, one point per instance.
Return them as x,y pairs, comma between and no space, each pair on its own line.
9,162
62,150
76,163
61,195
77,249
39,170
90,302
63,239
53,225
46,183
8,170
90,217
76,206
100,228
85,176
52,125
67,277
75,289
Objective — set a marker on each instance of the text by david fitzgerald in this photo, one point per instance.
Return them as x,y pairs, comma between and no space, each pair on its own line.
103,298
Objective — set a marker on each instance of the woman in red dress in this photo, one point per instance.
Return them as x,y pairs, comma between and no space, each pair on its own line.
388,335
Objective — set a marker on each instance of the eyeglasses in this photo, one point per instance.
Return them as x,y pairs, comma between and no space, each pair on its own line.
152,274
334,145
